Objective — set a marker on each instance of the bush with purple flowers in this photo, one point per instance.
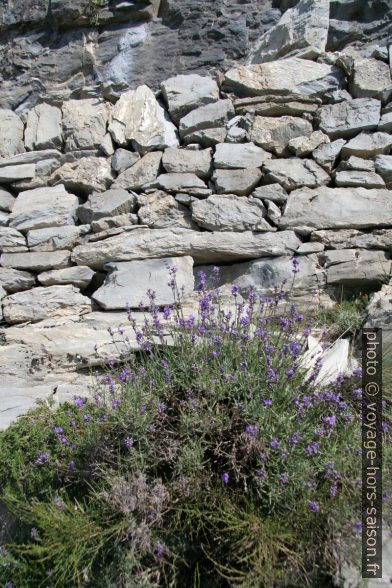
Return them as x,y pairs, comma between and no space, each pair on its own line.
214,458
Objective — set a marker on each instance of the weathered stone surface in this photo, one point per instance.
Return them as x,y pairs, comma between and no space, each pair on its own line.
236,181
14,280
43,207
85,175
36,260
207,137
43,128
301,31
3,219
359,178
12,173
31,157
11,140
311,247
326,155
302,146
84,123
368,145
385,123
99,236
204,247
128,282
6,201
212,115
106,145
11,239
273,211
355,268
188,161
295,173
112,222
184,93
327,208
173,183
269,273
139,120
79,276
356,163
101,204
243,155
230,213
371,78
54,238
383,165
16,401
354,239
123,159
144,171
275,105
379,315
237,129
273,192
286,76
40,303
347,118
160,211
274,134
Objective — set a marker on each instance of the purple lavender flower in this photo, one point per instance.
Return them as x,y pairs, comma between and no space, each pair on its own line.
357,373
86,418
58,502
161,408
358,526
261,473
275,444
58,430
333,490
9,585
312,448
314,505
309,484
34,534
42,457
252,430
384,427
295,264
159,549
115,403
225,478
267,401
330,421
284,478
128,442
78,401
235,289
72,466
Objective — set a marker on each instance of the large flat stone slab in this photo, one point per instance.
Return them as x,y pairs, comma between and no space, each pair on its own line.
230,213
346,119
340,208
36,260
204,247
128,282
184,93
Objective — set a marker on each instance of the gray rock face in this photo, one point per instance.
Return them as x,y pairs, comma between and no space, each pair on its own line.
54,238
85,175
43,128
274,192
188,161
295,173
36,260
120,220
276,105
301,31
139,120
212,115
84,123
207,137
144,171
112,202
371,79
11,239
230,213
353,268
326,155
184,93
286,76
6,201
160,211
123,159
236,181
368,145
327,208
11,140
385,123
41,303
243,155
13,280
128,282
302,146
12,173
354,239
204,247
346,119
380,313
78,276
274,134
173,183
383,165
43,207
359,178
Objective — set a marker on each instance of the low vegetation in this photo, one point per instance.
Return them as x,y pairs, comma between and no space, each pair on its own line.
216,458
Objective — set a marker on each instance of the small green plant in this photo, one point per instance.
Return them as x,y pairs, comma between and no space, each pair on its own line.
345,318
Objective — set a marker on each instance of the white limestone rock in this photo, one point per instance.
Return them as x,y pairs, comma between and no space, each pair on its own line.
230,213
43,127
184,93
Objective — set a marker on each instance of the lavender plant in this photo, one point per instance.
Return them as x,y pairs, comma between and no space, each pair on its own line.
215,457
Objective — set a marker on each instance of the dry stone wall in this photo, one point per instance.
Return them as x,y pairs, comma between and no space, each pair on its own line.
287,155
